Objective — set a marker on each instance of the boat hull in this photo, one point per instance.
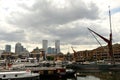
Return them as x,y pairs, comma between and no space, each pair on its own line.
94,66
18,75
25,78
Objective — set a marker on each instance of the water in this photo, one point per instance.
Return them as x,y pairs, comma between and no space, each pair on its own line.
94,75
98,75
88,78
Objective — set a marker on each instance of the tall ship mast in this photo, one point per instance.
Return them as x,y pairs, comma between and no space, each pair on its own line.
108,41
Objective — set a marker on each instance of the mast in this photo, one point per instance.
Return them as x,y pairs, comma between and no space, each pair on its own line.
108,41
110,20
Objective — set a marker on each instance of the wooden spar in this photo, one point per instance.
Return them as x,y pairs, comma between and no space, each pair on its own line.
110,20
109,42
96,39
106,40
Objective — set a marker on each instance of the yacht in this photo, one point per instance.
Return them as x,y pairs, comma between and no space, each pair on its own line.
18,75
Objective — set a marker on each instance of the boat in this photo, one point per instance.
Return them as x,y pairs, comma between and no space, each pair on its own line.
18,75
53,72
76,66
9,71
70,73
80,74
45,69
95,66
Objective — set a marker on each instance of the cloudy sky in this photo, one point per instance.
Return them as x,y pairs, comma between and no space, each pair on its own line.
31,21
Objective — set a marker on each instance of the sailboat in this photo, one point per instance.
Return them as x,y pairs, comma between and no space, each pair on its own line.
111,66
108,41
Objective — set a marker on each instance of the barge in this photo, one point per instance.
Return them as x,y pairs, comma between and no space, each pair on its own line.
52,72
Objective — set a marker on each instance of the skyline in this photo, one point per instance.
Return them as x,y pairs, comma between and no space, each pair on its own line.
31,21
19,47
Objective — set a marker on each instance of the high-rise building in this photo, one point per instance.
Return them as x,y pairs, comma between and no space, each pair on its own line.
57,46
51,50
18,48
8,48
45,45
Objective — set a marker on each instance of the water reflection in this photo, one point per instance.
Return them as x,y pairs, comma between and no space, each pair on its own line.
106,75
88,78
94,75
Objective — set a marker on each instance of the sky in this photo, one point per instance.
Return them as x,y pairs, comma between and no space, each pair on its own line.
31,21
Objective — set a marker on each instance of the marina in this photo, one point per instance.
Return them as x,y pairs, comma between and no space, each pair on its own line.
87,72
24,23
35,72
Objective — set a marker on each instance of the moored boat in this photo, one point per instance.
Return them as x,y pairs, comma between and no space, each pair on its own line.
58,72
104,66
94,66
18,75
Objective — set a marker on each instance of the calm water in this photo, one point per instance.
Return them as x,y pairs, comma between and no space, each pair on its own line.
99,75
106,75
95,75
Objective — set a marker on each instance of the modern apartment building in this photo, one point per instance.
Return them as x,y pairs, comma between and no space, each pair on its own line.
57,46
45,45
18,48
100,53
51,50
7,48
